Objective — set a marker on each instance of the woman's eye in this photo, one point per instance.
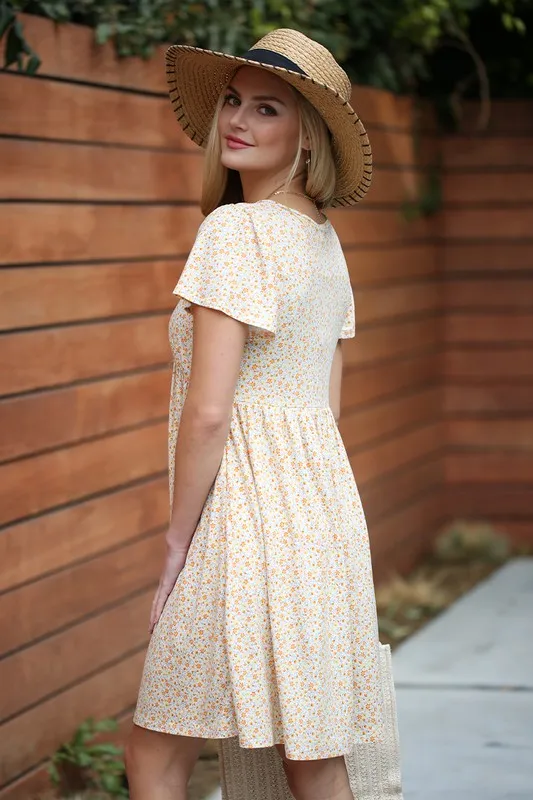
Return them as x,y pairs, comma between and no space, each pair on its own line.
268,111
229,98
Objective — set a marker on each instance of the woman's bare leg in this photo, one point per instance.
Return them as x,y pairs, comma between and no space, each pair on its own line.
321,779
159,765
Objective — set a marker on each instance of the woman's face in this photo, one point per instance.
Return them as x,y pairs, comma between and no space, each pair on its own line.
259,123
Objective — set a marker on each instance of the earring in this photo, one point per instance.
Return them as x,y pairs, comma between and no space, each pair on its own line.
308,160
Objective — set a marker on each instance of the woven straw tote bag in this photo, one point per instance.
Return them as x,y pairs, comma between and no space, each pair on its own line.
373,769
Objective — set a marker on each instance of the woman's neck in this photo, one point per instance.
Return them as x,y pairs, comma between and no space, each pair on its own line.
255,188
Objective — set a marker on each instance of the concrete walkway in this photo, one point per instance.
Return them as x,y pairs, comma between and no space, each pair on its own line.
465,695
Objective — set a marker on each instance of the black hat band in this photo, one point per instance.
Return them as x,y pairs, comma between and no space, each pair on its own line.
272,59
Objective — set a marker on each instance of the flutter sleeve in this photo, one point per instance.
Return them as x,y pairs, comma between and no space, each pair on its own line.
225,270
348,328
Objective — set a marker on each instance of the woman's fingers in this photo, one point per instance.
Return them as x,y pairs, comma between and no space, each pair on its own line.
173,565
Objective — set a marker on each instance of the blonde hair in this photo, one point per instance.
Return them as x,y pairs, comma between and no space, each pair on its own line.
222,185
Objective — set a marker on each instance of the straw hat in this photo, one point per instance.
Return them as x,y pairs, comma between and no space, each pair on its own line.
196,77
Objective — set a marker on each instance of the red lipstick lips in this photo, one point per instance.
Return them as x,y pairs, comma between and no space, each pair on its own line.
235,143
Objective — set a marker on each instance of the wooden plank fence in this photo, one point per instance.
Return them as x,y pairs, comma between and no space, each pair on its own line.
99,193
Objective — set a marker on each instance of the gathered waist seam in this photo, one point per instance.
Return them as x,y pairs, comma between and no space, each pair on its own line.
280,407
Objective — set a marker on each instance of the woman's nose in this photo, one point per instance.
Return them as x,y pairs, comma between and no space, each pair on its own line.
238,118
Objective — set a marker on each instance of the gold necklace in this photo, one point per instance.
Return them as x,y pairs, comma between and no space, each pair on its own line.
298,194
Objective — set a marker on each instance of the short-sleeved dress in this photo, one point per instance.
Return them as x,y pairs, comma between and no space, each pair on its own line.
270,634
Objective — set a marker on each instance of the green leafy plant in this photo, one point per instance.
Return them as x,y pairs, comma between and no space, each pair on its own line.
84,763
17,50
465,541
390,44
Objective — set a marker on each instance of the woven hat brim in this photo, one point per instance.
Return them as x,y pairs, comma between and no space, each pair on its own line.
196,77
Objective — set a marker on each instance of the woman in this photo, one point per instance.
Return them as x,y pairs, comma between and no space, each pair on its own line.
264,622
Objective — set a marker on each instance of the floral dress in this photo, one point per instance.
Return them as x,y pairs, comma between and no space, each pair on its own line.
270,634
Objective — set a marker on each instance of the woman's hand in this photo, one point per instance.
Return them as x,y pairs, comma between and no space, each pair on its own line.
174,563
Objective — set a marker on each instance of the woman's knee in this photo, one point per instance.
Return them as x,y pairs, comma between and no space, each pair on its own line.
161,756
317,779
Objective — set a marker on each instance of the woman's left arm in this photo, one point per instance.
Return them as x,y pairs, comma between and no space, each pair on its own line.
218,345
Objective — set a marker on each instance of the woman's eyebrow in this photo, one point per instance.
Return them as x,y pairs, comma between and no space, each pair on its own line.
258,96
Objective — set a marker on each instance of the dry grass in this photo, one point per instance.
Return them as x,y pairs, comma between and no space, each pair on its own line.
464,554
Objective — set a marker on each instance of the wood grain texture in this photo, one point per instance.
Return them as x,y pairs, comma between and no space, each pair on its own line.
361,427
398,451
33,423
30,737
87,232
386,495
70,51
38,609
491,329
374,382
391,263
58,356
472,154
501,257
404,338
466,189
77,293
479,366
507,294
33,486
73,112
37,170
489,467
73,654
60,538
492,399
488,224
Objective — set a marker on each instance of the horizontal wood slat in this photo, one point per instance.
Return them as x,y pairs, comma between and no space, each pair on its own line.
379,304
377,107
509,294
487,501
423,521
391,263
88,292
489,328
52,357
489,364
29,738
32,423
73,654
33,170
371,383
396,452
86,232
391,341
509,117
475,153
38,609
36,783
418,520
70,51
60,538
50,170
512,434
365,227
37,484
489,399
388,494
502,188
478,257
70,112
489,467
488,224
361,427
